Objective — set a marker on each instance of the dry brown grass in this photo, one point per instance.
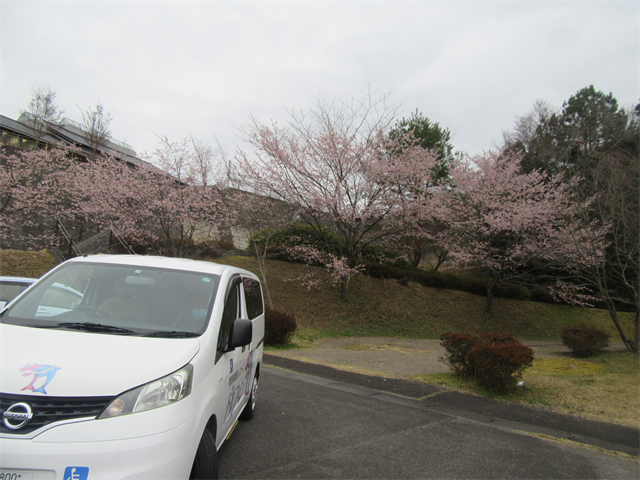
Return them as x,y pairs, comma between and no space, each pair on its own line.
19,263
604,387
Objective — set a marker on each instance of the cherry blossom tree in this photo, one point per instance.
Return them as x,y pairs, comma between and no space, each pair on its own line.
164,205
511,223
336,166
34,192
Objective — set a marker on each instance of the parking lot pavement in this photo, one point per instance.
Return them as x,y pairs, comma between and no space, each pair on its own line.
519,417
307,426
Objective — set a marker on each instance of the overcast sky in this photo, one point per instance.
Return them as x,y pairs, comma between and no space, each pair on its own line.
177,68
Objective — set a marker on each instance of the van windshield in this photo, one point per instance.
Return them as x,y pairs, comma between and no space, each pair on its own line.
115,299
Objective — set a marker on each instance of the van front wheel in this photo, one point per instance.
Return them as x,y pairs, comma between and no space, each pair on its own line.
205,465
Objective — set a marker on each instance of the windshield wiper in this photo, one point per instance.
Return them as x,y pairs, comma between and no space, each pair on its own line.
171,334
87,327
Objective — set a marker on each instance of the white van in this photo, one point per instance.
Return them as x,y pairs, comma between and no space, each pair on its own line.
127,367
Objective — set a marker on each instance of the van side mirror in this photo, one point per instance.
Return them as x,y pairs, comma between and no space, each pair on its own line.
241,333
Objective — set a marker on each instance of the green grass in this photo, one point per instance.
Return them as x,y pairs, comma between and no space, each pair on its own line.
384,308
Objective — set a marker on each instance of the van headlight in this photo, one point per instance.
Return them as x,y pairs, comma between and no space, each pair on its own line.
156,394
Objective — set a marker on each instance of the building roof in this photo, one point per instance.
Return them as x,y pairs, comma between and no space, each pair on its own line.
8,124
70,133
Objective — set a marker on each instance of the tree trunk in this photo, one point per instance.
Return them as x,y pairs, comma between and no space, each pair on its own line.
415,253
344,283
261,257
614,316
442,257
491,284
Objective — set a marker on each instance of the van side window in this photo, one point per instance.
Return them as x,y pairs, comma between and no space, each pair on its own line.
253,297
229,315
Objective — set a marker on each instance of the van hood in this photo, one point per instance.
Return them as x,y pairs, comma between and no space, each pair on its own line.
63,363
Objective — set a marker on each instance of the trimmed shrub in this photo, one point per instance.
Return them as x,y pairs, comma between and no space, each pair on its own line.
542,295
495,360
457,347
515,292
498,338
499,361
279,326
470,284
376,253
292,235
584,341
296,234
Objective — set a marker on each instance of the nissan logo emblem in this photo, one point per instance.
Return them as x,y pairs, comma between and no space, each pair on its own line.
17,416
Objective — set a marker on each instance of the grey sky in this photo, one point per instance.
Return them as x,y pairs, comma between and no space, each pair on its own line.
175,68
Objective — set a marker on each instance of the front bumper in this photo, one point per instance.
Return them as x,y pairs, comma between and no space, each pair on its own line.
157,444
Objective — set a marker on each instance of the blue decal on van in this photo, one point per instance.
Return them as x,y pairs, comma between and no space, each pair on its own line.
39,371
76,473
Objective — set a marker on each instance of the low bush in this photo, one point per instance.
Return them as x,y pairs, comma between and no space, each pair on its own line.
470,284
495,360
294,234
515,292
498,360
210,248
584,341
223,244
498,338
279,326
281,243
542,295
457,347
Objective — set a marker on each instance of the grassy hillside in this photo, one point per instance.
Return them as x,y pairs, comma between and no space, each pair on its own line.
381,307
386,308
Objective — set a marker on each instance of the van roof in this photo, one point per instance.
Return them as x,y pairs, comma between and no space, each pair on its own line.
158,261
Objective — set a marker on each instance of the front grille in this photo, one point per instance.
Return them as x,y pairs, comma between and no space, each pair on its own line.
47,410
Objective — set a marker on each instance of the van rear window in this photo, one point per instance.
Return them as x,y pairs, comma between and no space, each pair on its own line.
253,296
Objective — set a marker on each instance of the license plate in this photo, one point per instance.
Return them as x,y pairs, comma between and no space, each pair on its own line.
16,474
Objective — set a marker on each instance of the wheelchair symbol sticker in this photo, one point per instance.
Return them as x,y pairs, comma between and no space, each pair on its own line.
76,473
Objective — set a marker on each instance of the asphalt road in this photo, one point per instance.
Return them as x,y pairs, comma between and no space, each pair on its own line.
310,427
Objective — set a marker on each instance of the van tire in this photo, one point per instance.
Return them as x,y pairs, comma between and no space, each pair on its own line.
250,408
205,465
